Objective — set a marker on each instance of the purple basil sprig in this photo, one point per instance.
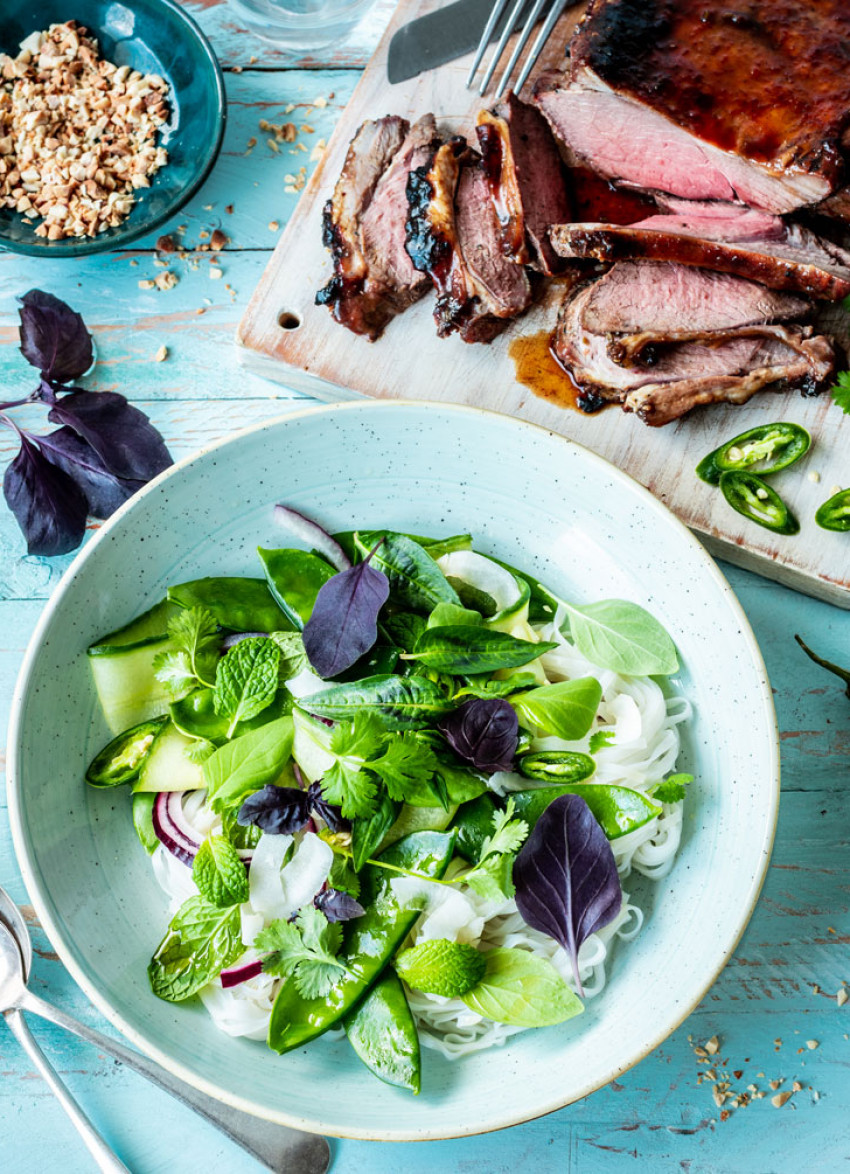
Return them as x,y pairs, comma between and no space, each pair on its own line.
344,623
104,451
337,905
483,731
283,811
566,878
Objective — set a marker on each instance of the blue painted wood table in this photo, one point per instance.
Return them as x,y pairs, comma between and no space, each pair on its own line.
774,1021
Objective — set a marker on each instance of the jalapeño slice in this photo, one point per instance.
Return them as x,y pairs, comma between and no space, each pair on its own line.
754,498
834,514
779,445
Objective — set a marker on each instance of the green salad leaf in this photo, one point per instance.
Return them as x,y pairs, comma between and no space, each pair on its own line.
219,874
566,709
416,582
305,949
246,680
201,941
293,657
523,989
623,637
482,686
368,832
466,649
401,703
248,763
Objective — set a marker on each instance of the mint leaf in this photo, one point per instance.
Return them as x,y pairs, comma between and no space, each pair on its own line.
840,391
441,967
218,872
194,634
672,789
305,949
523,989
599,740
202,940
246,680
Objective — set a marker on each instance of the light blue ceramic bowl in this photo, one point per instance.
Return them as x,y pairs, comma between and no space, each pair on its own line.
154,36
528,496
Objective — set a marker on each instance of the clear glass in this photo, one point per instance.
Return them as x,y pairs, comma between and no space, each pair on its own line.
301,26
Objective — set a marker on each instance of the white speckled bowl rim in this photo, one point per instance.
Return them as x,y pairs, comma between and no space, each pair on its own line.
759,844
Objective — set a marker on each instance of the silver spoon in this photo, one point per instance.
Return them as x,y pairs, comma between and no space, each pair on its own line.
276,1146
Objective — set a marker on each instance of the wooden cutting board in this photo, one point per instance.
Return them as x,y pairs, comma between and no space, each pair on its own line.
285,337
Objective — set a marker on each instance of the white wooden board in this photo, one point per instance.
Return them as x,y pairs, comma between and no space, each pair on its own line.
409,361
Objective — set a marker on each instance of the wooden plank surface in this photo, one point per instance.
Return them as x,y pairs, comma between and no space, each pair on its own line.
658,1118
409,361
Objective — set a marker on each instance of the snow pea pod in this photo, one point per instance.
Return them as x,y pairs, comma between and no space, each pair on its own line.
779,445
195,715
756,500
382,1032
834,514
243,605
121,760
617,810
369,942
295,578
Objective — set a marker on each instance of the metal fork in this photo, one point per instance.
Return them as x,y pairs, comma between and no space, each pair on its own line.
510,27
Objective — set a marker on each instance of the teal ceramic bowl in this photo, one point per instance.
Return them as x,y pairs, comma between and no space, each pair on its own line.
529,497
153,36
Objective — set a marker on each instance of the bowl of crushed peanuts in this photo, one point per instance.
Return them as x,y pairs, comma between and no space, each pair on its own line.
109,122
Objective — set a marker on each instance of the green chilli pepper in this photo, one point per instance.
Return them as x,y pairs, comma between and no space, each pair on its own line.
834,514
121,760
779,445
557,766
754,499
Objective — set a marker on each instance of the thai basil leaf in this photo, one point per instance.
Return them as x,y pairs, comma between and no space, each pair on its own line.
464,649
279,811
403,628
623,637
566,709
338,905
324,810
248,763
415,579
344,623
121,435
566,877
484,687
48,506
368,831
483,733
54,337
523,989
102,489
246,680
219,874
202,940
402,703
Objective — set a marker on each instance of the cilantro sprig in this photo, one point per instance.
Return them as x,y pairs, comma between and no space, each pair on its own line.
305,950
491,876
840,391
191,662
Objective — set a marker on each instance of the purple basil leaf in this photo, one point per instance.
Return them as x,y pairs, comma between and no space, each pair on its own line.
344,623
280,811
338,906
326,811
54,337
121,435
483,731
566,879
103,490
50,509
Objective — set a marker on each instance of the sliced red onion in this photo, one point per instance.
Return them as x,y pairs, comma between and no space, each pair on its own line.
235,637
313,534
241,972
171,827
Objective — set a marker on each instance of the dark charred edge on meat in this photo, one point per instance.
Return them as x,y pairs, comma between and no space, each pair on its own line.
589,400
428,251
617,38
627,244
490,142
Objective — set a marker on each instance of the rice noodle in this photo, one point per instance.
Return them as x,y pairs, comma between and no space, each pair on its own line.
645,728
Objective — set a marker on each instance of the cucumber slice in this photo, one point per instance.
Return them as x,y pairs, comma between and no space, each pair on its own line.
150,625
126,683
167,768
309,748
121,761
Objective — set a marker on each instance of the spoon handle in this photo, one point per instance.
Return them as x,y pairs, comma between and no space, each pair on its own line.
278,1147
106,1160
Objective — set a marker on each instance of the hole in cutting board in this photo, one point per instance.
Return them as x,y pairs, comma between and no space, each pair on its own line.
286,320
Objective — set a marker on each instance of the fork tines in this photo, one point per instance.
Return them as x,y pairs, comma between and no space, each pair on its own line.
511,25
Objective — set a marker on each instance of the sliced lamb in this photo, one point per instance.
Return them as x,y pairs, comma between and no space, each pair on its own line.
527,182
725,237
364,225
704,349
733,100
453,235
